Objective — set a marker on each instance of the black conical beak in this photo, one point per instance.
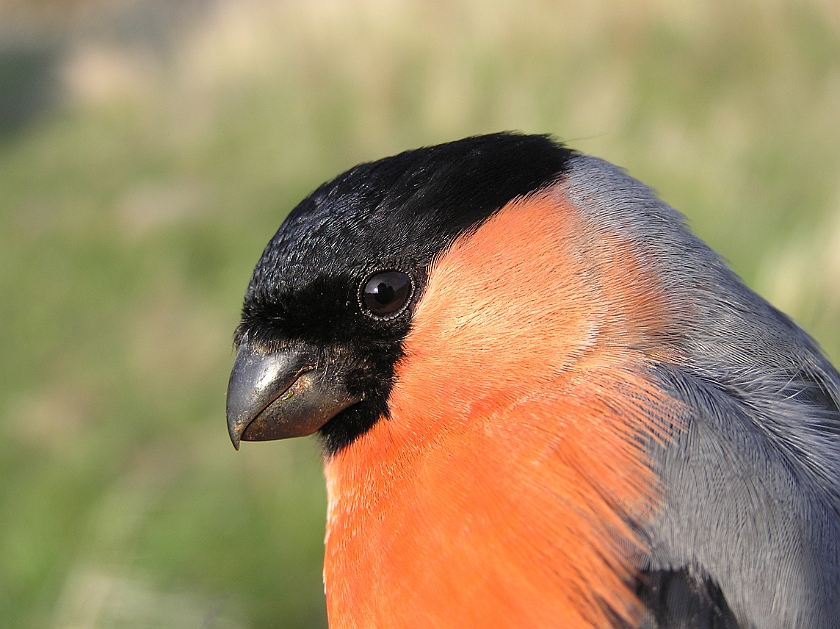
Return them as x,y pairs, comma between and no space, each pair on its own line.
282,394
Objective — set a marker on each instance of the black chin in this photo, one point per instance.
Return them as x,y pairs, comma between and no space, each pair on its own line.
350,424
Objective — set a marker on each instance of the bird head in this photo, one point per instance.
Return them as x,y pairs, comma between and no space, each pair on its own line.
333,297
472,329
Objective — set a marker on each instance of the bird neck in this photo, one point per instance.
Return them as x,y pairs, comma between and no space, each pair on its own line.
519,514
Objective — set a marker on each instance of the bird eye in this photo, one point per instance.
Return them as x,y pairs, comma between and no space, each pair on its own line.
385,294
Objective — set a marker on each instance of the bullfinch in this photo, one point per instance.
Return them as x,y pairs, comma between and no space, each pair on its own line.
543,402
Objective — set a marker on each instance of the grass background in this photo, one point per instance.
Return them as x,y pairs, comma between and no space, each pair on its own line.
149,149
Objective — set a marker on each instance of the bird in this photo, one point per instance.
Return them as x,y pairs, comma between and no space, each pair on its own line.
542,402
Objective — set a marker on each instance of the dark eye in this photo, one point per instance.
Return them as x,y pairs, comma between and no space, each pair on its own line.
384,294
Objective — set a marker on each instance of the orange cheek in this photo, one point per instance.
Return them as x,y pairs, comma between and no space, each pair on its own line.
489,497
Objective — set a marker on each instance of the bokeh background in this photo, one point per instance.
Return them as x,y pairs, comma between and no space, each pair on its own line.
149,149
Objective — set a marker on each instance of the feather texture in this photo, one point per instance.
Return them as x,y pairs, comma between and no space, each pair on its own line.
506,490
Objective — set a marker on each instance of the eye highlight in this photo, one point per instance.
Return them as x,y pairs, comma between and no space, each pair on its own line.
385,294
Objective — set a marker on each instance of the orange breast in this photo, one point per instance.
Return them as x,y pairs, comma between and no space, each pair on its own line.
493,496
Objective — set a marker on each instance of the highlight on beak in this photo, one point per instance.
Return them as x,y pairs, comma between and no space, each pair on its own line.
282,394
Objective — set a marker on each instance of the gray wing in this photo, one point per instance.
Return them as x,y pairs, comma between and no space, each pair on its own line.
751,519
749,534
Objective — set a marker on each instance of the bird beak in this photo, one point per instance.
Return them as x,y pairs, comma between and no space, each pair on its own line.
281,394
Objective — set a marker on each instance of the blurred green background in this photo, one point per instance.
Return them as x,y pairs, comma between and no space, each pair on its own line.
149,149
